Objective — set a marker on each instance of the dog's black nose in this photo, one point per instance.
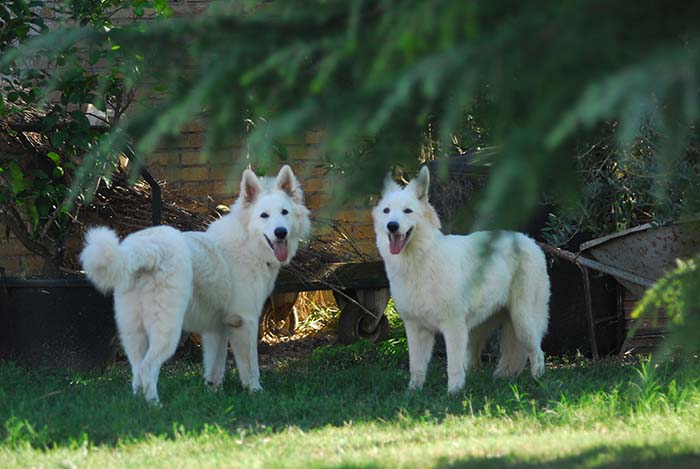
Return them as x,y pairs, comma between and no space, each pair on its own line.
281,232
392,226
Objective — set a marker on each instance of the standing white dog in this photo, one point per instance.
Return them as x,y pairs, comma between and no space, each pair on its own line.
214,282
461,286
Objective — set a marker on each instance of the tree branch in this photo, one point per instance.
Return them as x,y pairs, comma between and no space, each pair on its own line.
10,217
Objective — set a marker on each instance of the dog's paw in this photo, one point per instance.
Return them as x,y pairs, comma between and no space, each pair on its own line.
414,386
154,403
538,372
212,386
255,387
454,390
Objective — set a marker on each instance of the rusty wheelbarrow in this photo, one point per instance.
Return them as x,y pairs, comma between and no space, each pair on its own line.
636,257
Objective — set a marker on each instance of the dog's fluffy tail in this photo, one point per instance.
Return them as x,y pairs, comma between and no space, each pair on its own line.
102,260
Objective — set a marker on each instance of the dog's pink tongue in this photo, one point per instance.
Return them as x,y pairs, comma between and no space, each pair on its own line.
395,243
280,250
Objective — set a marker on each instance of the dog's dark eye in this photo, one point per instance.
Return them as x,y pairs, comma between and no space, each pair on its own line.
386,210
264,215
284,211
407,210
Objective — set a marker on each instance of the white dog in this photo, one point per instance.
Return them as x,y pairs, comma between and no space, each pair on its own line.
461,286
213,282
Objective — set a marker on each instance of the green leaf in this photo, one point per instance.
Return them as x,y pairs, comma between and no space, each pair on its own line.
58,172
38,174
16,178
32,215
50,121
53,156
58,138
43,205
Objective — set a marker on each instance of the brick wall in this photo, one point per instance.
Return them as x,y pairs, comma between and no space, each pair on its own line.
178,162
16,260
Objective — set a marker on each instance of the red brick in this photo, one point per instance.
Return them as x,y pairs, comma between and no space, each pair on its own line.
13,247
23,266
313,184
225,173
196,125
194,173
11,264
162,158
225,188
314,137
297,152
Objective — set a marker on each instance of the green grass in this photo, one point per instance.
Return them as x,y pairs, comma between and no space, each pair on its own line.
348,407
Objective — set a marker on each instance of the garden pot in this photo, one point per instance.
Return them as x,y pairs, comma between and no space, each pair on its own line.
57,322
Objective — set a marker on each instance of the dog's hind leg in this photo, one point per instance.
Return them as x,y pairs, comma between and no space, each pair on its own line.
244,343
420,348
478,336
164,315
161,346
456,338
513,356
214,348
131,333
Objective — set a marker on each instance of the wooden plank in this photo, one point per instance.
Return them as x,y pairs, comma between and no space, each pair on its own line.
342,276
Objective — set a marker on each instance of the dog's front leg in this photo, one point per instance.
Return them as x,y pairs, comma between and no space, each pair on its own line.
420,347
456,337
244,342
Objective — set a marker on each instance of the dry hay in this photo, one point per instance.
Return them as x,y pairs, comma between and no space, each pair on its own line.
126,208
317,319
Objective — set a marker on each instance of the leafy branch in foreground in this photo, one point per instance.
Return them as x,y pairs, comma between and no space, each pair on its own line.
382,70
677,294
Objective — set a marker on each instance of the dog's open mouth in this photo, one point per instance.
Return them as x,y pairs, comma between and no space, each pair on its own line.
279,247
397,241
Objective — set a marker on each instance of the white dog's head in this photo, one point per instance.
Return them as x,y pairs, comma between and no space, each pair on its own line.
403,214
273,212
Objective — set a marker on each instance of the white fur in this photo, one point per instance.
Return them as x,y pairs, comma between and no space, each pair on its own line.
213,283
461,286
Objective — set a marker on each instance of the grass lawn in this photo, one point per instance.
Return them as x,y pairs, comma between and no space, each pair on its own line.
348,407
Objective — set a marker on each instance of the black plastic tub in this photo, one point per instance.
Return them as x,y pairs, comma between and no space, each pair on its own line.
59,322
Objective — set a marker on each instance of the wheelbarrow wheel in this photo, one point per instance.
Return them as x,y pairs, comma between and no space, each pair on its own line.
355,324
279,316
274,326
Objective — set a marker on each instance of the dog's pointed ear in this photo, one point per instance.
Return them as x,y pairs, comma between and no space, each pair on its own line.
389,183
288,183
250,187
421,183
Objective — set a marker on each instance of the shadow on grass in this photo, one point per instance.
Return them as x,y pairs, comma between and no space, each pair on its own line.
57,408
610,456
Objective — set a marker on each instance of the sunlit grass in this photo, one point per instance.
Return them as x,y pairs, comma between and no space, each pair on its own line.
348,406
